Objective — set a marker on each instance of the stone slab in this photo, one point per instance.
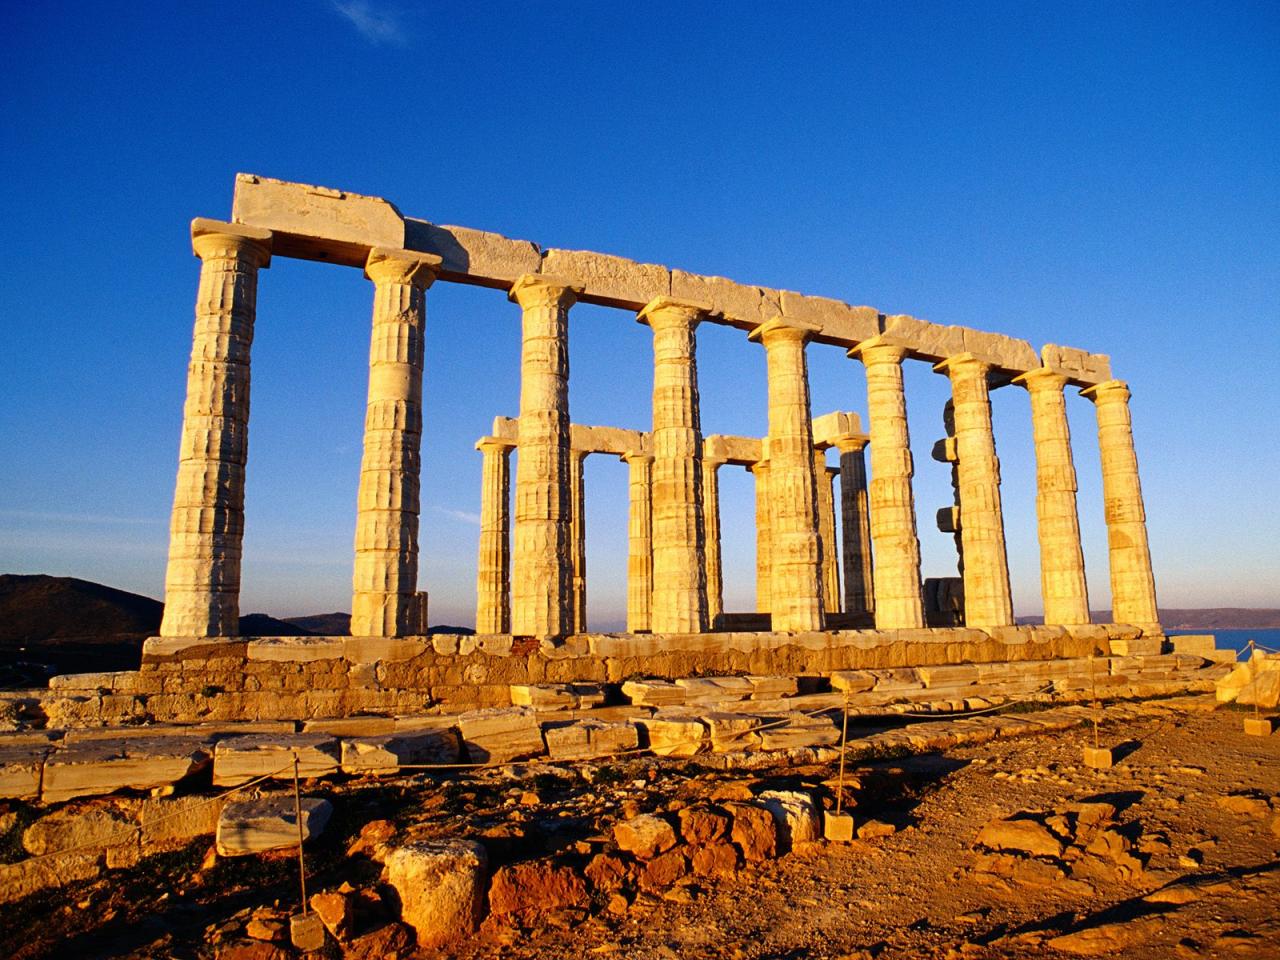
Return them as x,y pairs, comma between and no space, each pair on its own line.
297,649
20,768
658,693
501,735
588,739
269,823
240,759
672,735
700,689
390,753
104,766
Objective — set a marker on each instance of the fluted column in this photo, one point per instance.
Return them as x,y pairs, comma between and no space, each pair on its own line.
898,601
384,602
578,538
1062,580
987,600
679,575
711,538
1133,588
855,525
493,571
795,592
206,530
764,538
823,482
640,544
541,587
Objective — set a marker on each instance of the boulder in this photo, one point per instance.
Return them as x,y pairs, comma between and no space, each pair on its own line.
719,859
608,872
536,885
644,836
1025,836
337,912
664,870
441,888
268,823
795,815
753,831
702,825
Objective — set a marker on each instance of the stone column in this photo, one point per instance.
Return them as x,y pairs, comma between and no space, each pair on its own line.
202,580
1062,581
640,544
1133,588
493,571
898,600
987,600
578,538
385,579
541,587
679,574
823,478
764,540
855,524
795,590
711,538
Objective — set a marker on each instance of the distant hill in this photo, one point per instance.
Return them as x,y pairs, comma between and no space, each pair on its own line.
323,624
54,625
1208,618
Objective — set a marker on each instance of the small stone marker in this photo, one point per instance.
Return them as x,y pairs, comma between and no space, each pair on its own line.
306,931
837,827
1259,726
1098,757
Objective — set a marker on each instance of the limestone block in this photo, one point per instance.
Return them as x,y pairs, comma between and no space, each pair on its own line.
613,281
269,823
770,687
66,829
441,888
388,753
501,735
656,693
838,425
104,766
585,739
1136,646
22,879
672,736
1201,645
838,322
383,649
20,766
241,759
168,822
929,341
557,696
732,732
645,836
317,223
949,676
474,256
1078,366
740,305
852,681
118,681
297,649
794,814
351,726
1005,353
702,689
837,827
800,731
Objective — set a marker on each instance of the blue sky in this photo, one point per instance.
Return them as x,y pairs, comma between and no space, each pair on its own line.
1100,175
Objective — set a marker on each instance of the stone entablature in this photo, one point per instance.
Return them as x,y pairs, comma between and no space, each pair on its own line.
674,565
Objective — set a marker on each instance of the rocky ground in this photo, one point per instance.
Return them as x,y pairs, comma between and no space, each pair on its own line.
1011,848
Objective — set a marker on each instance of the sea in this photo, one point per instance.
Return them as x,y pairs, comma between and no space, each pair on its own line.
1238,640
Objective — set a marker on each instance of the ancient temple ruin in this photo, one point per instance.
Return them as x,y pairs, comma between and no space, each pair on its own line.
531,570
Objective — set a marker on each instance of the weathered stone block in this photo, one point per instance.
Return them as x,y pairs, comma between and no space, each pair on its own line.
669,736
501,735
241,759
297,649
489,259
656,693
585,739
837,827
268,823
742,305
441,888
852,681
387,754
104,766
20,766
614,281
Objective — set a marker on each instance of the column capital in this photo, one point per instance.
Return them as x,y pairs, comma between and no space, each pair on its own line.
850,442
392,265
636,456
494,445
536,290
961,364
1109,391
878,349
779,330
1041,379
672,312
219,240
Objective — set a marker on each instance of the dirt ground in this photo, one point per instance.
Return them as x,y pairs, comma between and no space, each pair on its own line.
1196,812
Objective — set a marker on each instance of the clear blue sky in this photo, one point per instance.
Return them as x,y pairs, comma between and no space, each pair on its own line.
1100,175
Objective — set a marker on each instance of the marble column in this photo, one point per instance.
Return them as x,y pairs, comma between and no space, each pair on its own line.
679,574
764,540
824,479
206,530
987,600
898,598
855,525
1133,588
795,590
578,538
640,544
1062,580
541,584
493,571
711,538
385,601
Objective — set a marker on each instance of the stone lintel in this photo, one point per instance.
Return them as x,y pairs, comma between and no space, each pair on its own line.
740,451
1081,368
583,439
485,444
